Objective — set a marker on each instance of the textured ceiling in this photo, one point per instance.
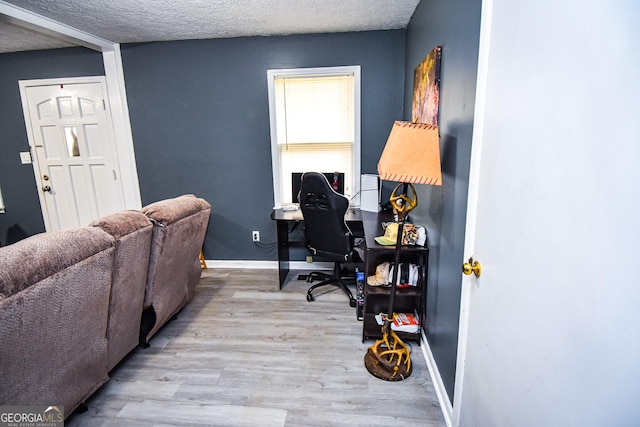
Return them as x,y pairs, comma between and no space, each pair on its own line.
127,21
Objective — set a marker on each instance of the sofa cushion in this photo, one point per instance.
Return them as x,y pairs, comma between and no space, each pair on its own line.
133,232
47,254
169,211
122,223
53,345
174,267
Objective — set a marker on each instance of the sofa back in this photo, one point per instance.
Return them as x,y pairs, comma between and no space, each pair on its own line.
132,232
54,299
179,229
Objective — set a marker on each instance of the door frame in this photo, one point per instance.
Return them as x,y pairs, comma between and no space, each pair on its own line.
469,283
24,85
114,74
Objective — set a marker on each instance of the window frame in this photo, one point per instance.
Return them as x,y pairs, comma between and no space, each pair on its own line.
272,75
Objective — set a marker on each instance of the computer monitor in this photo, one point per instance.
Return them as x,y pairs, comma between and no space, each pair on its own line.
336,179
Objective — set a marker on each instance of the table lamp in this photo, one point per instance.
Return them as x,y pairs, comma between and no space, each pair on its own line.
411,156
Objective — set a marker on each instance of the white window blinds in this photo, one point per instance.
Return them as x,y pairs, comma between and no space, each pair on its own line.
315,126
315,110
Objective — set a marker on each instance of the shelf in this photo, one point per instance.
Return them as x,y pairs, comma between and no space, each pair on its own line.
386,290
371,330
376,298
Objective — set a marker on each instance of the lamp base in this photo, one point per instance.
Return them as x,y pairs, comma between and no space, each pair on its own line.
389,358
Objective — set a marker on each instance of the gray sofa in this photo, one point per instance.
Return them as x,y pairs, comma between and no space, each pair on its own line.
54,309
179,229
132,232
71,301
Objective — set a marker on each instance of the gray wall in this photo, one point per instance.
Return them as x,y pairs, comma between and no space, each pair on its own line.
19,189
456,27
200,120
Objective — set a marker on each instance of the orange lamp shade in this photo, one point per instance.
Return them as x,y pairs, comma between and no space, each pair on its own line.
412,154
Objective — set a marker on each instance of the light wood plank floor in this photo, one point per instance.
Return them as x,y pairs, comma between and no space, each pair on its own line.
244,353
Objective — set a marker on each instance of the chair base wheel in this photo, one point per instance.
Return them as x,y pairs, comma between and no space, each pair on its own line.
329,279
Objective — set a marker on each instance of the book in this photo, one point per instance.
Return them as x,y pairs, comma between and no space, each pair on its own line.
402,322
405,322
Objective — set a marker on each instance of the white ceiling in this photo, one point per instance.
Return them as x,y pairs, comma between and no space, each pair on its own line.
127,21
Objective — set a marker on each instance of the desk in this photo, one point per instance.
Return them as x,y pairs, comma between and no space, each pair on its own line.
288,220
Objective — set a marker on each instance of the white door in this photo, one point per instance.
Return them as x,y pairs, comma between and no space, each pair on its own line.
72,142
550,331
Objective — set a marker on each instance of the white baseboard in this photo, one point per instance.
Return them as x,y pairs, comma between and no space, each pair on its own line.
293,265
438,384
241,264
303,265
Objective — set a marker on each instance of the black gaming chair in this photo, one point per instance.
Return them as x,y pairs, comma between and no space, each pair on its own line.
327,235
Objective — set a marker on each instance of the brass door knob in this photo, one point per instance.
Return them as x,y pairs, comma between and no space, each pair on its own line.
472,267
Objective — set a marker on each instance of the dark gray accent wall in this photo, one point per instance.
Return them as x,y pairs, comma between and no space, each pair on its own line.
456,27
200,120
19,189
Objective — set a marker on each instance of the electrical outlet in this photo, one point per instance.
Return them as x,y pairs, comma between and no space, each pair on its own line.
255,235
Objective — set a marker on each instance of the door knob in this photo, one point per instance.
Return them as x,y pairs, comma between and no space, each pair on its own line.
46,188
472,267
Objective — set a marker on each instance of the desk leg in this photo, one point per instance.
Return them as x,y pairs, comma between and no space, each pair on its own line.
283,251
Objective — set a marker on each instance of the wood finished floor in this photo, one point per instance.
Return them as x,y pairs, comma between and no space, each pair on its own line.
244,353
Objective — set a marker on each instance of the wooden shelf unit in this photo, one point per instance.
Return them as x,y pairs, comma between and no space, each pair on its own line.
376,298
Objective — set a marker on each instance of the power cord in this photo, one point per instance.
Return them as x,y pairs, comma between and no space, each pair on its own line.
269,245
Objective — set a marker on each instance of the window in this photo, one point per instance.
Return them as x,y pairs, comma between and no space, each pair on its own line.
315,125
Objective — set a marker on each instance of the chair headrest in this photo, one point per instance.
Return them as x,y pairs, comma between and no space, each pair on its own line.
316,190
